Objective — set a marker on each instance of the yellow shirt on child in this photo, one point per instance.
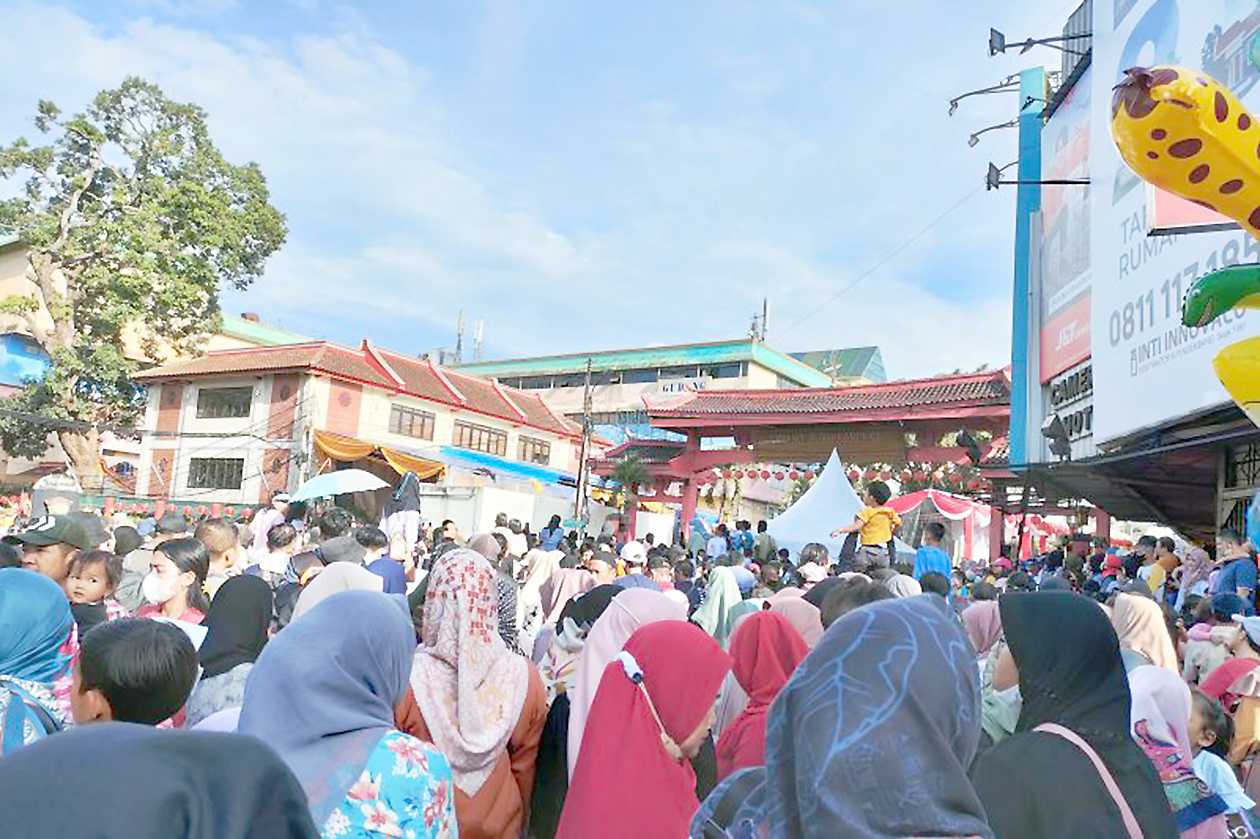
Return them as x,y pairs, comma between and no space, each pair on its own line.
877,525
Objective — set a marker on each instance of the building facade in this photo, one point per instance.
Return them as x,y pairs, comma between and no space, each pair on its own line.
234,426
621,379
1115,401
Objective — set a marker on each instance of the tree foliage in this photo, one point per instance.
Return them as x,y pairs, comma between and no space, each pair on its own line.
133,222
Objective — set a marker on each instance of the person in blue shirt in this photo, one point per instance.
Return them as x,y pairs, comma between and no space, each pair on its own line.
550,537
1238,568
930,558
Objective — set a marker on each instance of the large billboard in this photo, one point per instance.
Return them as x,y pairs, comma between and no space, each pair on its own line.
1065,234
1147,367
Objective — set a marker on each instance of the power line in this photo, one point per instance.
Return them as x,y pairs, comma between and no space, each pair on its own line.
886,259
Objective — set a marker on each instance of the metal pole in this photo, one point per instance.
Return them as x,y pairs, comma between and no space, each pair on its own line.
580,507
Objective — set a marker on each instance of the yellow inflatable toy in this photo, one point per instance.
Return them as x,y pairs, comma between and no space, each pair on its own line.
1186,133
1238,368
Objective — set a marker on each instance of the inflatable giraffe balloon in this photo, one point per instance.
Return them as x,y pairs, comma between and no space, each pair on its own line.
1187,134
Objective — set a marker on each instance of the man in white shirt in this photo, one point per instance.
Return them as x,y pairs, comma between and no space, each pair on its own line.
262,524
718,544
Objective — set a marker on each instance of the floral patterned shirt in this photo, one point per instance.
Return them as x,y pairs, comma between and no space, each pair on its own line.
406,790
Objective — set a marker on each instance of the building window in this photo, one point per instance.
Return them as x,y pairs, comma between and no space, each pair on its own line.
410,422
479,438
534,383
215,472
638,377
680,372
532,450
224,402
724,371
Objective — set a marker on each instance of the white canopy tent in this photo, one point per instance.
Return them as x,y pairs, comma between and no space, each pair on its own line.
830,503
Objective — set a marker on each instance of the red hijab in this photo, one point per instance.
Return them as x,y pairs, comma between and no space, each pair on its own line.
1218,683
625,784
766,649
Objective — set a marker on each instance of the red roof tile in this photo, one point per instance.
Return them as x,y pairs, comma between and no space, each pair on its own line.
977,389
418,378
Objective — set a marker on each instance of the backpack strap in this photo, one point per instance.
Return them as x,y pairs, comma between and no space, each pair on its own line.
14,723
1126,813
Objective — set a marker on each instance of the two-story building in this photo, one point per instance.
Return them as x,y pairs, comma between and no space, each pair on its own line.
234,426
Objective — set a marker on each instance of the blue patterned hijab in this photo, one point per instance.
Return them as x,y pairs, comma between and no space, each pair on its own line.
872,736
323,692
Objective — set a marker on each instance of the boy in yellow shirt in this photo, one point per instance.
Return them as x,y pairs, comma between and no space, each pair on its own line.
873,526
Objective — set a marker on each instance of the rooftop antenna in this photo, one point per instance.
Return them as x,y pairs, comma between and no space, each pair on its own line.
765,317
478,331
459,338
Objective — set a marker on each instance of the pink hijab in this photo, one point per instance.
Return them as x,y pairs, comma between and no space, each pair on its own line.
469,686
803,615
563,585
983,622
627,612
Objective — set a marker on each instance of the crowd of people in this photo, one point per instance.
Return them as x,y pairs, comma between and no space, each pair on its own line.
312,674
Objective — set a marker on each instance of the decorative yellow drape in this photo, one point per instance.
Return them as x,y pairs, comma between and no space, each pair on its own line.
346,449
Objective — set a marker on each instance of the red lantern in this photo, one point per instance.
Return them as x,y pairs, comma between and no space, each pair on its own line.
778,476
793,475
809,474
201,511
230,511
854,475
739,474
973,485
247,514
765,474
187,510
726,473
870,475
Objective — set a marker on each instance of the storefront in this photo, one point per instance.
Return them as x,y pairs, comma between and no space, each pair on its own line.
1122,407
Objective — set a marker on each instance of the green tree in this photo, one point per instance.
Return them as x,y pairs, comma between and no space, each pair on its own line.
629,474
133,222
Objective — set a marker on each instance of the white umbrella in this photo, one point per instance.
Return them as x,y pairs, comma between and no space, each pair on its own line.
338,483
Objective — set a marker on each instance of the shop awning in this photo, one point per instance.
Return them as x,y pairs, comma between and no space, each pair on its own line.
952,507
349,449
495,466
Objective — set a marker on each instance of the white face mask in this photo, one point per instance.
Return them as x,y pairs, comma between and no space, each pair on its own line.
1011,697
157,590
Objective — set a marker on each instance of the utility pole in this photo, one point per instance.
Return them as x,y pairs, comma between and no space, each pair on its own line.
580,506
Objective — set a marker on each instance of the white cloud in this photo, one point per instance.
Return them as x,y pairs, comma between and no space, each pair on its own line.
669,226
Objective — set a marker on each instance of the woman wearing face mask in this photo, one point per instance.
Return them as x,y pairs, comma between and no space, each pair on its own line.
1073,730
175,585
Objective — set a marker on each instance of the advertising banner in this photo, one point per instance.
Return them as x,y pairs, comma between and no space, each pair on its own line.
1147,367
1065,236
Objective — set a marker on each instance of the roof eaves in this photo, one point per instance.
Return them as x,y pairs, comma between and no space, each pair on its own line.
499,389
446,382
379,361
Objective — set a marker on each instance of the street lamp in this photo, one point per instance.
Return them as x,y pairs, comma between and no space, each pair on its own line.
999,44
1010,84
974,139
993,179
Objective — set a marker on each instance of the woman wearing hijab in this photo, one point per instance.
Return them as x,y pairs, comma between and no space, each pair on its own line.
803,615
322,694
559,669
1064,656
35,621
124,781
871,736
903,585
563,585
540,566
632,609
983,622
238,622
765,650
400,520
1194,576
1140,626
334,579
722,595
480,703
651,714
1160,718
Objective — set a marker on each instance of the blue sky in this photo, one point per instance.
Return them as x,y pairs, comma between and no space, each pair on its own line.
590,175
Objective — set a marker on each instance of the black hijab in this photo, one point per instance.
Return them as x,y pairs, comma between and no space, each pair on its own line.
818,592
1070,673
585,609
238,619
128,781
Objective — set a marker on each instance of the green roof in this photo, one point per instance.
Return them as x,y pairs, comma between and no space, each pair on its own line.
716,352
258,333
851,363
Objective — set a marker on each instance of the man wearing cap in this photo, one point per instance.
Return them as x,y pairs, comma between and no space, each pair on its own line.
262,524
50,543
1238,569
171,525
